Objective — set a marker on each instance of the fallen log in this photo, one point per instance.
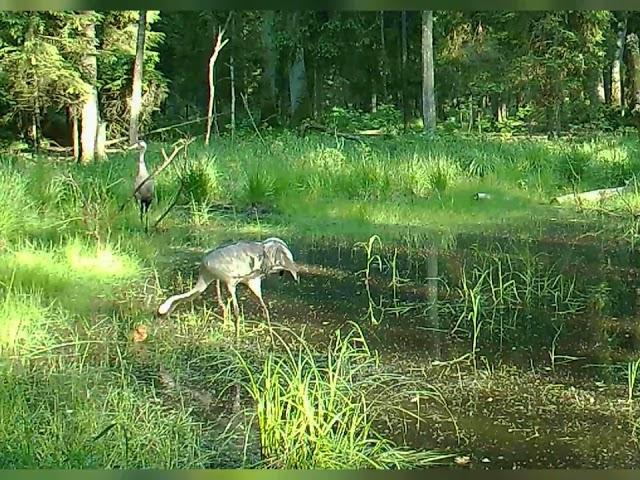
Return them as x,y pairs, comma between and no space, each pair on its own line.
591,196
323,129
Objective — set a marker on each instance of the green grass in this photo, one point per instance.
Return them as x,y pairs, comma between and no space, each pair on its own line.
424,184
317,411
53,419
77,275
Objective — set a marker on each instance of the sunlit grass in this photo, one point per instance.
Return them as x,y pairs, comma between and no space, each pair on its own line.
77,272
24,322
317,411
78,275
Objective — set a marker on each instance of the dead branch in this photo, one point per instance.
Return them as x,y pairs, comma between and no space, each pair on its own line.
173,204
216,50
54,147
158,130
323,129
255,127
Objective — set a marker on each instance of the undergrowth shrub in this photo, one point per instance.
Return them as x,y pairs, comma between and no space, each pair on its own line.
202,181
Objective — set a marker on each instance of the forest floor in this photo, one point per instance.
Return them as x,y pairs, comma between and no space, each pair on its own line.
530,362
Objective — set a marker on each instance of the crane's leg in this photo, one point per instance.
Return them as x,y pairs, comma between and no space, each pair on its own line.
236,310
254,285
220,302
232,291
144,212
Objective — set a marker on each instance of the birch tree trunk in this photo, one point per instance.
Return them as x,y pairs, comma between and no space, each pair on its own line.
633,44
428,99
136,92
616,75
89,113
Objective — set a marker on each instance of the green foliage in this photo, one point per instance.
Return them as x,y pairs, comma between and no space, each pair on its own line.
118,38
315,412
90,419
386,118
259,187
202,181
36,76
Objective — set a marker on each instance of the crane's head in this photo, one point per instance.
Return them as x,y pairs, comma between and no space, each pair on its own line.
140,146
280,257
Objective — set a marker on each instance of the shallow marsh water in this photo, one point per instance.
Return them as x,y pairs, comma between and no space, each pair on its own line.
548,389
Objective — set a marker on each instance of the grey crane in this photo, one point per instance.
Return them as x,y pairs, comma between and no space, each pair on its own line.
246,262
143,194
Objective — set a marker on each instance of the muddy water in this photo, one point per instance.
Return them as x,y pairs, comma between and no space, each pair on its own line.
524,420
333,293
551,388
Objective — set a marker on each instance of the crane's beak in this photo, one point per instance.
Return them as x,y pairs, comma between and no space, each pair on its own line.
139,145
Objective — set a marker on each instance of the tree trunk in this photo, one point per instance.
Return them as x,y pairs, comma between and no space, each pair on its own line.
553,120
593,86
101,140
212,85
269,92
616,74
606,77
233,96
298,95
634,77
502,110
383,60
75,140
600,87
316,92
428,100
90,110
297,86
216,128
33,131
499,107
232,77
136,91
403,69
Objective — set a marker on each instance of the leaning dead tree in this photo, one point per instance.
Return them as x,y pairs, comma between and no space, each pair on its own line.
212,60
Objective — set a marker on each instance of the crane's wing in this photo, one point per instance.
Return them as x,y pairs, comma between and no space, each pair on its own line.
237,261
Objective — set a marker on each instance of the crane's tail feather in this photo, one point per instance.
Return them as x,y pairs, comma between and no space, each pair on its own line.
168,305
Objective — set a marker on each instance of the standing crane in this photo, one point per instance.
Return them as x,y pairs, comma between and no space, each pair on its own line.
143,190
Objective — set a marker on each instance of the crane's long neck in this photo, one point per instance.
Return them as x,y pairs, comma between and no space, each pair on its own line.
142,167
